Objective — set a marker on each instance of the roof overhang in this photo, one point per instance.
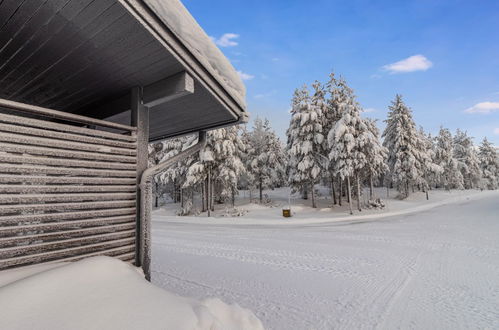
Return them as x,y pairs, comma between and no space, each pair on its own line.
85,56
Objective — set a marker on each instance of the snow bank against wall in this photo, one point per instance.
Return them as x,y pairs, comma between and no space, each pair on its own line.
105,293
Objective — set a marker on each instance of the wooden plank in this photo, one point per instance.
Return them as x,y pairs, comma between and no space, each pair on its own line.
80,251
73,171
25,159
53,152
79,80
7,10
24,189
33,109
64,216
25,179
64,235
44,124
45,133
59,198
66,42
15,251
65,207
65,225
24,33
115,253
23,13
39,43
52,143
39,34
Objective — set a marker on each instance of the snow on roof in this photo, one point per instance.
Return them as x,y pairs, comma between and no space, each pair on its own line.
105,293
178,19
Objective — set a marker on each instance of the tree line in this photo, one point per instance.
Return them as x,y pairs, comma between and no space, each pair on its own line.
329,142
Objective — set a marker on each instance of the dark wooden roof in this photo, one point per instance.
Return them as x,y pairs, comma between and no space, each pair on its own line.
78,55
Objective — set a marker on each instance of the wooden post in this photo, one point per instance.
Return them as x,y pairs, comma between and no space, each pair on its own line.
140,120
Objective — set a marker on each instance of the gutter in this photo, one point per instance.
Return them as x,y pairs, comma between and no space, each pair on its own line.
146,201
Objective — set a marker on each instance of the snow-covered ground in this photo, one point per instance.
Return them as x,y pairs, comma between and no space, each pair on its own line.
416,266
271,212
105,293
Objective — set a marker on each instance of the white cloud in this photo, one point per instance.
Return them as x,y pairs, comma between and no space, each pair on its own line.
366,110
410,64
483,107
245,76
265,95
496,131
226,40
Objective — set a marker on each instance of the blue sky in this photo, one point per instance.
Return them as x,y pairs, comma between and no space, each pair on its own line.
442,56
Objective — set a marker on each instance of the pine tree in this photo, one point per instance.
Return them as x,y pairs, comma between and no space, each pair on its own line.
346,141
218,166
265,159
307,138
300,96
467,158
451,177
489,164
431,170
404,147
376,155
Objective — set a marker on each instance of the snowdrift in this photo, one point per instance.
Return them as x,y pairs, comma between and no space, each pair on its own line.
105,293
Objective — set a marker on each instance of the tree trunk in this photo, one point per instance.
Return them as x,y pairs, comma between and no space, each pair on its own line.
181,197
156,197
313,196
387,191
304,193
261,189
233,198
358,193
349,192
349,197
371,187
213,193
340,192
203,196
333,193
208,195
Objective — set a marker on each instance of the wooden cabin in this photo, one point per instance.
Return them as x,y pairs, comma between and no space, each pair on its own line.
85,85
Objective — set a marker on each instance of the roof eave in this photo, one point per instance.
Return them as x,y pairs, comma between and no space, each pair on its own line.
148,19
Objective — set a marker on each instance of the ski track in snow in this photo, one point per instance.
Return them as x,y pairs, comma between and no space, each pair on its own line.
434,269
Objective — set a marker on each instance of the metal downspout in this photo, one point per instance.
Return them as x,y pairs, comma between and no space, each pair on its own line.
146,201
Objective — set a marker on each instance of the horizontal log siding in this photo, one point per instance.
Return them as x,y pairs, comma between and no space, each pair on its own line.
66,192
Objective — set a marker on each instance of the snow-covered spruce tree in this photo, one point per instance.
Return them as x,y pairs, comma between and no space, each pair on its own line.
339,95
331,116
376,155
431,170
219,166
489,164
156,154
451,177
402,141
300,95
306,136
346,141
467,158
176,174
265,160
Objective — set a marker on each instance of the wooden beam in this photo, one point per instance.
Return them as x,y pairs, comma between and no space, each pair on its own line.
168,89
140,120
159,92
